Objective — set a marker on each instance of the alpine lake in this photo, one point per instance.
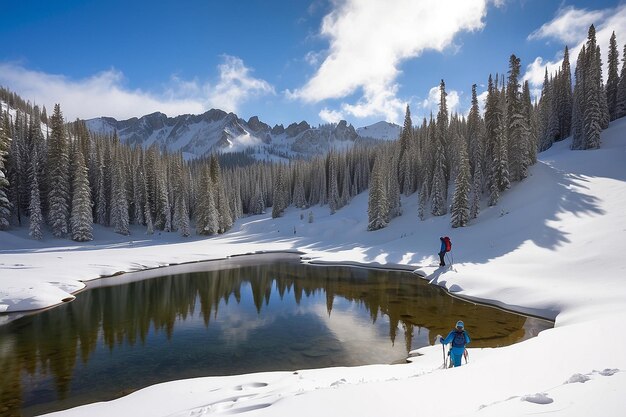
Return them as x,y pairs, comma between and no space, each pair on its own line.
241,315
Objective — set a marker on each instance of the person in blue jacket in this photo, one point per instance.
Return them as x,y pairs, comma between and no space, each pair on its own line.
459,338
442,252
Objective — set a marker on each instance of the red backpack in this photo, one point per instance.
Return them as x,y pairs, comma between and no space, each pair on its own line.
448,243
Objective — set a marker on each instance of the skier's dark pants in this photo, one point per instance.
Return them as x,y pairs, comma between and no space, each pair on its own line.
441,260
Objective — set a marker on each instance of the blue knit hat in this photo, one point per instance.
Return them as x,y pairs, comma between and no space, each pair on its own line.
460,324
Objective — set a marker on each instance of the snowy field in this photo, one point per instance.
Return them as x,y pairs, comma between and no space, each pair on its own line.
552,247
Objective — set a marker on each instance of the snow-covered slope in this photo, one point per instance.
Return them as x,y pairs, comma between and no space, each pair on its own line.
216,130
380,130
551,247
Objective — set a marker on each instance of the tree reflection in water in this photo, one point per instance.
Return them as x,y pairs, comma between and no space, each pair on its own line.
209,323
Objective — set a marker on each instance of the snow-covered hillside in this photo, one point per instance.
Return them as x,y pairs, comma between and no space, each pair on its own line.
216,130
380,130
552,247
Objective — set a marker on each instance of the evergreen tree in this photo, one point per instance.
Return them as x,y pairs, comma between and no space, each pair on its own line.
299,198
620,100
406,139
460,210
81,220
442,135
280,189
36,217
333,187
207,217
181,211
377,204
119,204
475,136
517,126
592,116
564,103
578,102
612,80
58,175
423,200
439,190
393,189
497,158
5,205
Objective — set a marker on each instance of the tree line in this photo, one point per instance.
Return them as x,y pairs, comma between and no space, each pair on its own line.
64,176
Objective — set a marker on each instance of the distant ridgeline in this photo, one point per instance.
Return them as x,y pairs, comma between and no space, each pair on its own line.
166,173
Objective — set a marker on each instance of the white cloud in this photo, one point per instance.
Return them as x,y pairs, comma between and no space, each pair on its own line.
235,85
607,21
331,116
569,26
105,93
370,39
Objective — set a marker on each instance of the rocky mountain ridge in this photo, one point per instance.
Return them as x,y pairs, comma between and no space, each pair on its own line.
218,131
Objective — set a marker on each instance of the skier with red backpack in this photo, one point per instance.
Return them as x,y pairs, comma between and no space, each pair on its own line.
446,246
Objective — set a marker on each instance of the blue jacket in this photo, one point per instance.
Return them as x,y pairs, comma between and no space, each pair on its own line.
450,338
443,246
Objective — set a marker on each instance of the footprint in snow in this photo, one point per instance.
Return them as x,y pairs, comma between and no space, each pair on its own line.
538,398
250,386
577,378
608,372
340,382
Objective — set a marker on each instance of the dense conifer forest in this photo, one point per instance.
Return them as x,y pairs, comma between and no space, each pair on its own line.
59,178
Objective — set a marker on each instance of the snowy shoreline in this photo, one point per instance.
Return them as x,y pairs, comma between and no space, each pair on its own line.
553,246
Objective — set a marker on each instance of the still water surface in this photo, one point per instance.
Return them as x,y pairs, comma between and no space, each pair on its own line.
250,316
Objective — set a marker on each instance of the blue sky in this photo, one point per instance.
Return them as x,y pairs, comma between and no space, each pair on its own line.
284,61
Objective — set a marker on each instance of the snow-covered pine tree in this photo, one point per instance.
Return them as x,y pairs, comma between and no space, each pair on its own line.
225,218
5,205
81,219
423,201
592,117
299,199
207,215
15,166
496,147
528,133
578,101
181,212
280,190
604,106
612,80
442,135
460,210
517,126
406,140
163,217
334,202
119,204
58,175
101,198
564,101
138,200
545,110
346,190
438,194
620,101
36,220
393,188
377,205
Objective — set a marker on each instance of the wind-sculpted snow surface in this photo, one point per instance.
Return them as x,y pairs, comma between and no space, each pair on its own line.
553,247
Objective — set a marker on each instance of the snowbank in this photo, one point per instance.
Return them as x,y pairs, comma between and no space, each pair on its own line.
552,247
